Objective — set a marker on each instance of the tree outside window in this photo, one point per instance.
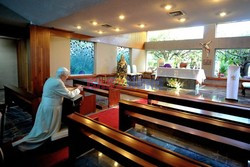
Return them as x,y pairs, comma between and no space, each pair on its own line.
226,57
175,57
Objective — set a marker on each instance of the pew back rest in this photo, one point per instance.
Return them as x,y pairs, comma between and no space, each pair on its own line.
101,89
22,98
221,107
81,125
153,117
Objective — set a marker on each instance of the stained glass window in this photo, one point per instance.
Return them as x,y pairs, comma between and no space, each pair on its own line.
81,57
125,52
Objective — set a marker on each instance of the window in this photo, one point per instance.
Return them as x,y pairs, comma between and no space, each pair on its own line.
226,57
174,58
238,29
176,34
125,52
81,57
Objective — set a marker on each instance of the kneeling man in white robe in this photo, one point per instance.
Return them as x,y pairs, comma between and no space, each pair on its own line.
48,116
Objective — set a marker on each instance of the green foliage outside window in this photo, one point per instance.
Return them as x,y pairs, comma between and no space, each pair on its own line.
226,57
175,57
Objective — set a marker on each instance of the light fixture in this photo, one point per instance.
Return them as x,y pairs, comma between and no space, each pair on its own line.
141,25
100,32
99,154
121,17
168,7
182,19
115,163
94,23
117,29
78,27
222,14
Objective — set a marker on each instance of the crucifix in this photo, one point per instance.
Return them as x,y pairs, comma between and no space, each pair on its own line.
206,47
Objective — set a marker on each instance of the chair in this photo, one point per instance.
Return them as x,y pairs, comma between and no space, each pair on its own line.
134,70
245,85
128,69
129,74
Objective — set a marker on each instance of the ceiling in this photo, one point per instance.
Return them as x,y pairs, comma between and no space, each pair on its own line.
66,15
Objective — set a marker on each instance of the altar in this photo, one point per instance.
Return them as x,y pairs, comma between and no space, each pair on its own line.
191,78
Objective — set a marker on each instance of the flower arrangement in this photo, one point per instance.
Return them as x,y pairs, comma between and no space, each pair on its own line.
120,80
174,83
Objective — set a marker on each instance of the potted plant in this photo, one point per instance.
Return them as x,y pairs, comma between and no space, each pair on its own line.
222,70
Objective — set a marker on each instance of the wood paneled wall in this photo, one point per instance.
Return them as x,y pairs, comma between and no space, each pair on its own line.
23,65
39,58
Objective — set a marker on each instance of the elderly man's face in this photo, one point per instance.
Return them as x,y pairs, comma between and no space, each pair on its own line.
64,77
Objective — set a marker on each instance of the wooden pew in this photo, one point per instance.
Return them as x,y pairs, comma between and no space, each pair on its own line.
17,96
205,113
105,90
221,107
122,147
221,135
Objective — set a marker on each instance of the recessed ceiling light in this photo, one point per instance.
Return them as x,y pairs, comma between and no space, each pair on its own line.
94,23
141,25
222,14
117,29
182,19
78,27
100,32
121,17
168,7
116,164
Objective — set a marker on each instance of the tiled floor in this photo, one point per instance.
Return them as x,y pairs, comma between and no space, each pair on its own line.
206,92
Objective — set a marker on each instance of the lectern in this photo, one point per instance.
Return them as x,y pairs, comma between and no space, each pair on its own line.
233,78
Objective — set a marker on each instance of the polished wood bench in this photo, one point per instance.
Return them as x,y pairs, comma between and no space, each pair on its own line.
220,107
105,90
205,113
17,96
122,147
214,133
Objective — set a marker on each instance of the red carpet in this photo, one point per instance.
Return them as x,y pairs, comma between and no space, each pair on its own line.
109,117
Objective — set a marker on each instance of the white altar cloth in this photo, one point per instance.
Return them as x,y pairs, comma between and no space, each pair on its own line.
182,73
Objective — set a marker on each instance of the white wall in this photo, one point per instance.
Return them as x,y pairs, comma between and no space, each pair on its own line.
139,59
8,62
105,58
59,53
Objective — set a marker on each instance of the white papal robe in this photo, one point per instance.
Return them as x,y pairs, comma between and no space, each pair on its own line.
48,116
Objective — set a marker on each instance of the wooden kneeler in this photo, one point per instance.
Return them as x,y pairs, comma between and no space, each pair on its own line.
88,104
